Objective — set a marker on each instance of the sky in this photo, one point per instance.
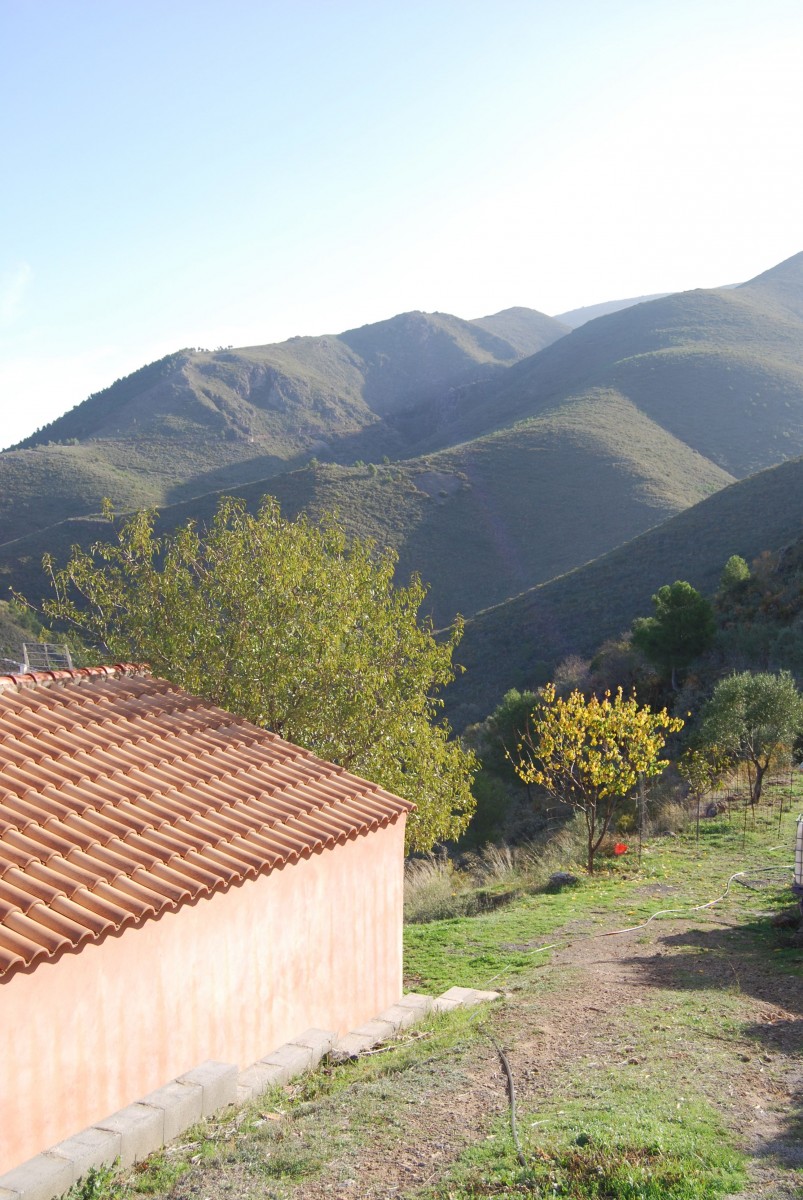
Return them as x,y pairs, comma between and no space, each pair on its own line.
197,173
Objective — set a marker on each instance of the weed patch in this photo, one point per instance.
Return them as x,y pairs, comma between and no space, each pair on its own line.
606,1135
591,1172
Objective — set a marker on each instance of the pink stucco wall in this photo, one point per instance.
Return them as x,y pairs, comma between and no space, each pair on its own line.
229,978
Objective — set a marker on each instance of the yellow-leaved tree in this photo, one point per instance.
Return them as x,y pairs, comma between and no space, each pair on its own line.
591,753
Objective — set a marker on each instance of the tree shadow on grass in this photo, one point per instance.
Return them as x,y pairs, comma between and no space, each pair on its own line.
755,959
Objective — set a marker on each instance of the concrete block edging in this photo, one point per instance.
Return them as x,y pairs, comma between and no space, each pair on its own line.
143,1127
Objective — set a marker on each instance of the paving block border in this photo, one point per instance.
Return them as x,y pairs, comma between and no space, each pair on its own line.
145,1126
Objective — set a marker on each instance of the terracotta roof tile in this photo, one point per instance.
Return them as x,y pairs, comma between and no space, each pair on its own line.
82,916
16,944
122,797
131,898
61,870
9,960
35,930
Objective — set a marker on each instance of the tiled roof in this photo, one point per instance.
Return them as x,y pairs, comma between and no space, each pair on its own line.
122,796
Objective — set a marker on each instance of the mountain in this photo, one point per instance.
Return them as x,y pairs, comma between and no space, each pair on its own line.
479,521
197,420
720,370
527,330
519,642
580,316
490,469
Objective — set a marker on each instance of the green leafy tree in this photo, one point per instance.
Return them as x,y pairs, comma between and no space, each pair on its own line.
734,572
591,753
500,733
499,792
753,718
680,629
292,626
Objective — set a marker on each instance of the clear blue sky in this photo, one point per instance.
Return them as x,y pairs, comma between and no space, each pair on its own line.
183,172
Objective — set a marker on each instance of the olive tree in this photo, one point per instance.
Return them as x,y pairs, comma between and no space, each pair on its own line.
753,717
293,626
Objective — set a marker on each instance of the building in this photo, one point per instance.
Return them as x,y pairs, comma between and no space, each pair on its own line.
176,885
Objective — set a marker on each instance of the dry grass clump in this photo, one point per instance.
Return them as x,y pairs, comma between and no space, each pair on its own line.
673,816
565,849
433,890
494,863
436,888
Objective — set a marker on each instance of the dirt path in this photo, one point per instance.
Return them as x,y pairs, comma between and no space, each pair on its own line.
761,1090
595,1006
578,1024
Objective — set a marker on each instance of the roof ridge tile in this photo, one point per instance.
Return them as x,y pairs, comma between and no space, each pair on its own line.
30,679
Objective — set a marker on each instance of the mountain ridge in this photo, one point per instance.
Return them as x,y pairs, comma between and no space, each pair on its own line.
488,469
196,420
485,495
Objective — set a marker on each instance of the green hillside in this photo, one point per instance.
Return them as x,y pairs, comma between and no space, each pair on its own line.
199,420
527,503
481,521
720,370
519,642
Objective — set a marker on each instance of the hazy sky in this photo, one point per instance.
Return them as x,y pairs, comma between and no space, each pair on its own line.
195,173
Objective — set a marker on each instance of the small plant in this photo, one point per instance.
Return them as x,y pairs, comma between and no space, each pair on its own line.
159,1172
97,1184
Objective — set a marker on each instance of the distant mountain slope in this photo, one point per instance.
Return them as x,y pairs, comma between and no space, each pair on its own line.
721,371
519,642
525,329
576,317
548,492
580,316
506,471
779,287
197,420
413,358
483,520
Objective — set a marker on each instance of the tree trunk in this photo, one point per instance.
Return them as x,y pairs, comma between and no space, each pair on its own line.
761,770
592,849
